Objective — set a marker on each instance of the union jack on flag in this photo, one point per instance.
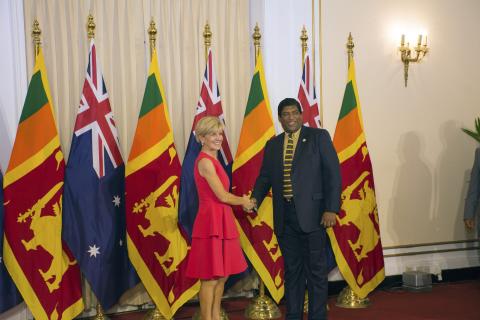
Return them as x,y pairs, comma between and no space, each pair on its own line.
209,104
96,115
307,96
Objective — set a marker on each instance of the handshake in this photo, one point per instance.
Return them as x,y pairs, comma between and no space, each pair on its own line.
249,204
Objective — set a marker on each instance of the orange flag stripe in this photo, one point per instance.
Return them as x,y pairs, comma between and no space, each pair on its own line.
253,130
32,135
145,137
350,128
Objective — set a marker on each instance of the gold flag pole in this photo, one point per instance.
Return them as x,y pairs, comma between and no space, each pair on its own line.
320,57
256,41
350,46
36,34
153,314
91,35
303,41
207,40
262,306
347,298
313,39
100,315
90,27
152,33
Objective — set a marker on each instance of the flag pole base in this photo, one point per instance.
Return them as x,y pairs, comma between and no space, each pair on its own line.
154,315
349,299
262,307
223,315
100,315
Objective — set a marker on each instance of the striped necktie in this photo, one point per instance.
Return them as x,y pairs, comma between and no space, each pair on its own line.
287,168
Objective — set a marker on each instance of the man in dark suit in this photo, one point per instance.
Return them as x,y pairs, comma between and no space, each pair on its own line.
301,166
473,196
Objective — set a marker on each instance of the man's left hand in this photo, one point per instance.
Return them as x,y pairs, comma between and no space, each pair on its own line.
469,224
329,219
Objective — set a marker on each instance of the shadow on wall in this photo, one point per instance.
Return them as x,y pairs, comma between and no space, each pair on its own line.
5,140
410,220
451,182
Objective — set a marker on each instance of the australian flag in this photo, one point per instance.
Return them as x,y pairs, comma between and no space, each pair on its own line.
94,194
9,295
209,104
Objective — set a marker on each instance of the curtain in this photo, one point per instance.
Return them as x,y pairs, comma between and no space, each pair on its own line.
122,44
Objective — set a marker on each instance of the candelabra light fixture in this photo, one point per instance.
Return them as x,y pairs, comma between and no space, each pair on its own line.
415,54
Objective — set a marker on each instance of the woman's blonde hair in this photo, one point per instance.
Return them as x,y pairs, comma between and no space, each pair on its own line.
207,125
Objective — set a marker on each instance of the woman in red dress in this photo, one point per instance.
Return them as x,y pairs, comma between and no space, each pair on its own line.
215,253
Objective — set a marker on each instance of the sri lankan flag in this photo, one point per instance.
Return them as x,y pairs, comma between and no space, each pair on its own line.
356,237
157,246
41,265
256,231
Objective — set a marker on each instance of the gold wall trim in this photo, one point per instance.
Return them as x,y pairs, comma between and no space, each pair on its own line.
429,252
430,244
320,61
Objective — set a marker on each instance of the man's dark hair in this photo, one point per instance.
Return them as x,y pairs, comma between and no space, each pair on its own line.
288,102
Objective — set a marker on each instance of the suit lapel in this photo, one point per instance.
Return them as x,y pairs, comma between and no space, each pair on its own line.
302,140
279,146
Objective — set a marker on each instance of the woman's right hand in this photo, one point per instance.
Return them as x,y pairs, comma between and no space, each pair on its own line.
247,203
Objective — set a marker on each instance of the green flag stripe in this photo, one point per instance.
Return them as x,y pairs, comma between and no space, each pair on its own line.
152,96
36,97
256,94
349,101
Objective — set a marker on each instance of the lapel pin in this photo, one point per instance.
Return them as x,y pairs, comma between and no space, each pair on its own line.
304,140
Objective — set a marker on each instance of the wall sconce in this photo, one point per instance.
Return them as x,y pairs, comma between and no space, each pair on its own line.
420,52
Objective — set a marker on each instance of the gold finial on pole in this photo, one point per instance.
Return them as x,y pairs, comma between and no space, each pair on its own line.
350,46
207,36
152,33
304,39
90,27
256,40
36,34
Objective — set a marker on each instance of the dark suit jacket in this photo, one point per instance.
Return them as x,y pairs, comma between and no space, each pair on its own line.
473,196
316,178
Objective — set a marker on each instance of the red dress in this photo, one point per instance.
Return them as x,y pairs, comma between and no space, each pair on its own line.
215,250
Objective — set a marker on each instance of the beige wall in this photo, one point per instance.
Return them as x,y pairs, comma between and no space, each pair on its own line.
421,159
